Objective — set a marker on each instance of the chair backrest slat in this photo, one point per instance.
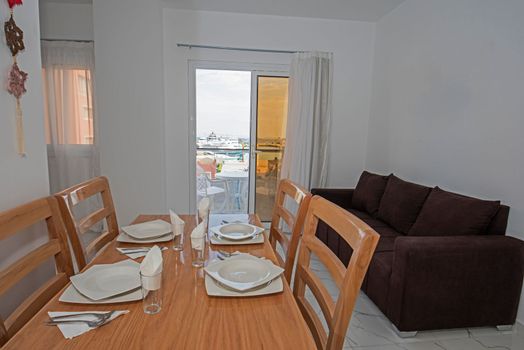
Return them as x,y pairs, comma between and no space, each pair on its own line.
363,240
26,215
75,195
301,197
21,268
325,301
15,220
86,223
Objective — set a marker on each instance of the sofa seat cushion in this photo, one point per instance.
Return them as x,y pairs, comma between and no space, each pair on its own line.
401,203
379,272
450,214
369,191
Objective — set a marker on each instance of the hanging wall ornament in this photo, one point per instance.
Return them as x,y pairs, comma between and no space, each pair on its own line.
16,87
13,3
14,36
16,80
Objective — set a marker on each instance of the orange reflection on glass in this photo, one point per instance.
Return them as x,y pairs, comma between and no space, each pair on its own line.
272,106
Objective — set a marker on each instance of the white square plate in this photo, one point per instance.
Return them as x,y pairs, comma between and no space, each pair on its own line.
123,238
71,295
243,272
148,230
104,281
215,290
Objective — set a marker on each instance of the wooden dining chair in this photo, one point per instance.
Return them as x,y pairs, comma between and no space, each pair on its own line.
71,197
363,240
14,221
300,197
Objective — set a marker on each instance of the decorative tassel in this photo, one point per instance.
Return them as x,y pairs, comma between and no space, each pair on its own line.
20,138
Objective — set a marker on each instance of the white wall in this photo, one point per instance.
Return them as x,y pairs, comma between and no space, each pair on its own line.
22,179
143,95
351,42
130,103
66,21
448,99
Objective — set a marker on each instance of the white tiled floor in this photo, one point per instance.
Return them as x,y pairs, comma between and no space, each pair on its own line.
371,330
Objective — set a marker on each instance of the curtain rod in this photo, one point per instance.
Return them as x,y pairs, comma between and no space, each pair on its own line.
232,48
75,41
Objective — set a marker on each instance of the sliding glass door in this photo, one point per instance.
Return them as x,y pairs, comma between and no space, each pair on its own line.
269,139
240,120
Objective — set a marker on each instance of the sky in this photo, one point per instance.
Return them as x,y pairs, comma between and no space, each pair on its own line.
223,102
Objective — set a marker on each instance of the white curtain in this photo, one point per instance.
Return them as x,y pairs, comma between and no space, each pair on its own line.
68,74
309,117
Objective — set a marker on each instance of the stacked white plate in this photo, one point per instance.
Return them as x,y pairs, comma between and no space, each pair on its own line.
147,232
243,275
105,284
236,233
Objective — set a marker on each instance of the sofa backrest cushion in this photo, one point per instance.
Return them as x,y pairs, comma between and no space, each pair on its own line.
451,214
401,203
499,223
369,191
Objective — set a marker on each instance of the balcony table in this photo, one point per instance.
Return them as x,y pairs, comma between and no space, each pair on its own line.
189,319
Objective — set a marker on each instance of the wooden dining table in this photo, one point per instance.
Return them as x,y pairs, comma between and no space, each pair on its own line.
189,319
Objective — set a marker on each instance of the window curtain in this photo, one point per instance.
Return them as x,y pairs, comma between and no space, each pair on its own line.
309,117
68,80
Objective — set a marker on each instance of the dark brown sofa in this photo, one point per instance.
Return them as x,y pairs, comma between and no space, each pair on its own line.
443,260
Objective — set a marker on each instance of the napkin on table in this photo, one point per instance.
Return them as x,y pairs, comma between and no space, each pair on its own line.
72,330
152,266
203,208
177,224
198,236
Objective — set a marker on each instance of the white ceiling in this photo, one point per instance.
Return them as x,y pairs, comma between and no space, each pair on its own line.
358,10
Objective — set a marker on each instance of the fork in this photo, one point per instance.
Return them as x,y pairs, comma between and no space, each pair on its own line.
91,324
101,319
138,250
98,315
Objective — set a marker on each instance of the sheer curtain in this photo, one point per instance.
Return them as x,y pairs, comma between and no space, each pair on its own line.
69,113
309,117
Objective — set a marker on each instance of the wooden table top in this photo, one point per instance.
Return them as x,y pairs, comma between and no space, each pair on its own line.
189,319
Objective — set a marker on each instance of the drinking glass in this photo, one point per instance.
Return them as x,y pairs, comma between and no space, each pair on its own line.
198,246
178,240
151,292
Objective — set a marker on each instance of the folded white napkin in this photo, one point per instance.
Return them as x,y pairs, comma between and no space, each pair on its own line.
177,224
71,330
203,208
198,236
151,268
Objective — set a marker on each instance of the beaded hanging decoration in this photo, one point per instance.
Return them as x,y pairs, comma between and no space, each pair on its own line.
16,80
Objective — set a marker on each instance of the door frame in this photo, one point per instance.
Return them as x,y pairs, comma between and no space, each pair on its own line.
256,70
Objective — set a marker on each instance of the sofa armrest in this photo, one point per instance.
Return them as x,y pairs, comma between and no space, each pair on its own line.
340,196
455,281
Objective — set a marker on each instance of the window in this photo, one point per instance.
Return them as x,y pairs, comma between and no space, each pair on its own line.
70,120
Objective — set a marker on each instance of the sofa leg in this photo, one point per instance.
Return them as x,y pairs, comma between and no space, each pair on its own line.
505,327
404,334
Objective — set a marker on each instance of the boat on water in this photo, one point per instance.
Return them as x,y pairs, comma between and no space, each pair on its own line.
214,141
